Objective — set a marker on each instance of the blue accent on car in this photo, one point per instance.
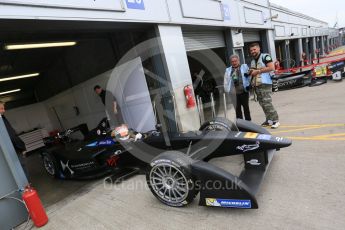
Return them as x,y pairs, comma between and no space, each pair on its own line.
93,144
106,142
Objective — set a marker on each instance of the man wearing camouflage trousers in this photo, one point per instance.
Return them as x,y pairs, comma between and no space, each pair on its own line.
261,68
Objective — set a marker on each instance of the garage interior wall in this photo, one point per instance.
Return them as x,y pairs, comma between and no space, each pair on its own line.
42,115
29,117
68,84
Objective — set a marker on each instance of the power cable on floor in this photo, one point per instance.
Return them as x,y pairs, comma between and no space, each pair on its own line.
7,196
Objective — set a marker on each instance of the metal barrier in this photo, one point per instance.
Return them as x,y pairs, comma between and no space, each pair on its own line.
200,108
212,104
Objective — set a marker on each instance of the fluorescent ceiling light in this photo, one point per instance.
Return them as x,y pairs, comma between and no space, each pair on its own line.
10,91
38,45
19,77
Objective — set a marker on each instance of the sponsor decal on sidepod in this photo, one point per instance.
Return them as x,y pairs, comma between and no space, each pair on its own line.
246,148
228,203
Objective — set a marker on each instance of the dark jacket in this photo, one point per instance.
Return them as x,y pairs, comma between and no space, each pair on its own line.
108,100
16,141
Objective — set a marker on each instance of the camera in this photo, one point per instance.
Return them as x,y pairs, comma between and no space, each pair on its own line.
236,82
249,72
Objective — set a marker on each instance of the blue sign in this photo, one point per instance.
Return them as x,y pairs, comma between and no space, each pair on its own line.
226,12
106,142
135,4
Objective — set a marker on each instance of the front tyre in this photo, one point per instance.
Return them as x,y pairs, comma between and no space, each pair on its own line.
170,180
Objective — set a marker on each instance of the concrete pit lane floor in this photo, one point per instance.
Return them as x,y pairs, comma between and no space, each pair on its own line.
49,189
304,187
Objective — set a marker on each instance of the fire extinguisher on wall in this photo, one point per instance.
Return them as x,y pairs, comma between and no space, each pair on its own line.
35,207
188,93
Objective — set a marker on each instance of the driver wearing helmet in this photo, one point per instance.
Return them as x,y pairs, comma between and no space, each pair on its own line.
123,133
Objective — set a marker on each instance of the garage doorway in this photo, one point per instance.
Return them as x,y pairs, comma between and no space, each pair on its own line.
57,92
207,76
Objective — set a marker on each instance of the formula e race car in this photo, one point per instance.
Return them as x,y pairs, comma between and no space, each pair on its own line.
175,163
177,175
78,153
286,81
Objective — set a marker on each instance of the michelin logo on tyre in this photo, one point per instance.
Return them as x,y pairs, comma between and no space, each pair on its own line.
160,161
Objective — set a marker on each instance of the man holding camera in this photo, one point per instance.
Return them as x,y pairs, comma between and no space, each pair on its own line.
237,75
261,70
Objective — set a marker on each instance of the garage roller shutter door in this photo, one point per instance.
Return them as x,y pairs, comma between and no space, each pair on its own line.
200,40
251,36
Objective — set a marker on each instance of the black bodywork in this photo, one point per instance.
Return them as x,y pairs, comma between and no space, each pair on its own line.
338,66
293,80
95,155
254,143
187,154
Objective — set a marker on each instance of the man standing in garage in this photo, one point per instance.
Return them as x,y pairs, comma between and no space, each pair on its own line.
262,68
237,75
18,144
111,107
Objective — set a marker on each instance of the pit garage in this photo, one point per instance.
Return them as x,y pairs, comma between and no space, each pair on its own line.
204,45
48,71
294,53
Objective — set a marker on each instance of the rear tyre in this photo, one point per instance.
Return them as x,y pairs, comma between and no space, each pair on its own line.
218,124
170,180
50,164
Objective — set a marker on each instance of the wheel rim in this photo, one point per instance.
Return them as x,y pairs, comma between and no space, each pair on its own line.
49,165
169,183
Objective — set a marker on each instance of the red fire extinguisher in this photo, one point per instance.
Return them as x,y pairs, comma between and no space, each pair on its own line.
188,93
35,207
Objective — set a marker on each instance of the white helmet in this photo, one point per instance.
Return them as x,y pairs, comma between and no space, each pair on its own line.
121,132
